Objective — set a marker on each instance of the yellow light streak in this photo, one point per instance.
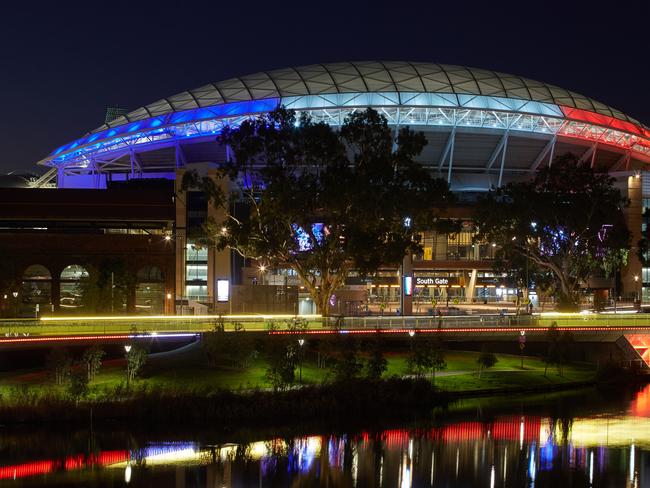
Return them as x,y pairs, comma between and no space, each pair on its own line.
177,317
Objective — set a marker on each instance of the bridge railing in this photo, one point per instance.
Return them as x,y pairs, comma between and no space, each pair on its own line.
171,324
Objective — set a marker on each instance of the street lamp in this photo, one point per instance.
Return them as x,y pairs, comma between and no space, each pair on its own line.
127,348
411,335
636,293
301,342
262,269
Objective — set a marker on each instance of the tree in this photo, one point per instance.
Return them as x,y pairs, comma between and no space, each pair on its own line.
106,287
136,357
78,385
376,365
235,349
323,201
485,360
9,284
281,356
59,362
347,364
564,350
567,222
552,346
558,348
427,356
92,359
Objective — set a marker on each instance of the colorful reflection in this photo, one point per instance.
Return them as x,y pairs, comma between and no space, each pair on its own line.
599,450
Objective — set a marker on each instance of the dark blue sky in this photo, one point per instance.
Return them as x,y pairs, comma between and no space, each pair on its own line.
61,66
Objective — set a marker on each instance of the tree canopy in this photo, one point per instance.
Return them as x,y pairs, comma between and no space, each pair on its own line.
324,201
568,222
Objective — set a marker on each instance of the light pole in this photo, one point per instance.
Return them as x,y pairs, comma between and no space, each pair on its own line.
637,297
411,335
15,311
522,346
262,269
301,342
127,349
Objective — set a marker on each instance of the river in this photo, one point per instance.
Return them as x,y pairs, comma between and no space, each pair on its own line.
588,438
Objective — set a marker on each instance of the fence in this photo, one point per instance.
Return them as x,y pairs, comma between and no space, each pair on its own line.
253,322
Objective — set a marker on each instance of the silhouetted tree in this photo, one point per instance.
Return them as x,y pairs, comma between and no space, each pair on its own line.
136,358
485,360
281,356
106,288
348,364
376,365
322,200
92,360
427,356
568,222
59,362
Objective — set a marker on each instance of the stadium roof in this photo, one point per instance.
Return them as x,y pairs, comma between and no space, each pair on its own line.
423,95
367,77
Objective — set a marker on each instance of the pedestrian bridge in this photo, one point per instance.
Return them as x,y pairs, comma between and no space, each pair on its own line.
97,326
632,329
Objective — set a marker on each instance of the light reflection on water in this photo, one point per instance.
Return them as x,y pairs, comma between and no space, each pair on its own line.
608,448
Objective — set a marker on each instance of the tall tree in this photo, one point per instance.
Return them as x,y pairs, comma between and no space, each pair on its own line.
323,201
106,288
568,221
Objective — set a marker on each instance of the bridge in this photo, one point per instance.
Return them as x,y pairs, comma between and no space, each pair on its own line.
629,332
49,328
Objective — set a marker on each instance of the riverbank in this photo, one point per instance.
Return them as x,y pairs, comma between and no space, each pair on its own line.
179,386
348,401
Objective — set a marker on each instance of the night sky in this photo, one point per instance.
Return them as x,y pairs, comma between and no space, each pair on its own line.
62,66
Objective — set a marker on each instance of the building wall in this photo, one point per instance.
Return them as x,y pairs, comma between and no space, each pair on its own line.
57,251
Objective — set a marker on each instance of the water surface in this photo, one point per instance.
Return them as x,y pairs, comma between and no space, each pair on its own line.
585,439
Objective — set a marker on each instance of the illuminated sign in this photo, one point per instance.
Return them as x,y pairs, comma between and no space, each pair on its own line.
408,286
223,290
430,281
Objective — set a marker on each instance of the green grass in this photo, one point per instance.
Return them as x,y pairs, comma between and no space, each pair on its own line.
185,370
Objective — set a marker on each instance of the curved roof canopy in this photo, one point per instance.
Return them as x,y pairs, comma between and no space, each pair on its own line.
369,77
419,94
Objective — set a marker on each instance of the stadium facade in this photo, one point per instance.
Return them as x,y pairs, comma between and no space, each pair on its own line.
484,129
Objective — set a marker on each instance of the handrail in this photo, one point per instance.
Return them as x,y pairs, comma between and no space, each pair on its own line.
198,324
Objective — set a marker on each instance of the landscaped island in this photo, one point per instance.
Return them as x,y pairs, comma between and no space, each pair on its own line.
232,377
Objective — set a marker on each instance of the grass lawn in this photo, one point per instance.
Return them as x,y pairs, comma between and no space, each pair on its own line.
185,369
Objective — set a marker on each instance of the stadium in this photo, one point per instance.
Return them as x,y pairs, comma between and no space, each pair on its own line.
483,128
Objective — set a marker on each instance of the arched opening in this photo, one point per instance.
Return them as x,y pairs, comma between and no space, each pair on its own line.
36,287
150,291
71,292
